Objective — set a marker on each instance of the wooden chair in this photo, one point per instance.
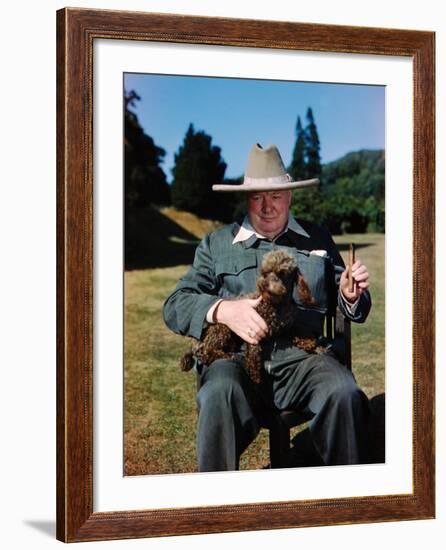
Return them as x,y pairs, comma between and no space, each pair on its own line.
279,423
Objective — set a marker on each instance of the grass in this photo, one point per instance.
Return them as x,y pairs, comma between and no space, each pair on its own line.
160,410
160,407
368,340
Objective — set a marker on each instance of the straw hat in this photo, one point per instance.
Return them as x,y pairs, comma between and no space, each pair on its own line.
265,171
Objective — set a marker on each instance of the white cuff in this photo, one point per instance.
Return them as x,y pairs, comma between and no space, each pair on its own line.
350,307
210,313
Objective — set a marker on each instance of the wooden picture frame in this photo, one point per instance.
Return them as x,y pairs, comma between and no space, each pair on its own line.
77,29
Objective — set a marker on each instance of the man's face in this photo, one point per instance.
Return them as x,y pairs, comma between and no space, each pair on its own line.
268,211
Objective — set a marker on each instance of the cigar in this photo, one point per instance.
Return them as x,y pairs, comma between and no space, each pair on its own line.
351,261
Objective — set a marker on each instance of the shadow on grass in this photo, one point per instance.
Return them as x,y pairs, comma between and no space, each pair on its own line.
377,429
153,240
304,454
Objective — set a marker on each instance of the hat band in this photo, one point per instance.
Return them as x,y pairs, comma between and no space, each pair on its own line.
275,180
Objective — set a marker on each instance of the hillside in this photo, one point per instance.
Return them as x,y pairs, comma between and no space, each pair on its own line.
356,160
366,167
190,222
351,197
162,238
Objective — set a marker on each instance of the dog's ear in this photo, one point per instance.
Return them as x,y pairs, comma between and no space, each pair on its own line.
262,284
303,290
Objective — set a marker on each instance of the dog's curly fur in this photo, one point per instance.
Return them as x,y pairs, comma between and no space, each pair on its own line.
275,284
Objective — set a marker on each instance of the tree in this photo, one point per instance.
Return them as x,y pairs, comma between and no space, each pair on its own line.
144,179
298,168
312,147
352,196
198,165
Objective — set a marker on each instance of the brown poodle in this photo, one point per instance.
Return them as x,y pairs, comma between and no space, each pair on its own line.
278,276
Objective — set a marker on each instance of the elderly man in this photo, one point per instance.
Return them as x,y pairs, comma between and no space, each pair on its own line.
225,266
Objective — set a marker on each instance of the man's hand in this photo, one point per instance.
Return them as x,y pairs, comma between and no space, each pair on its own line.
360,282
241,317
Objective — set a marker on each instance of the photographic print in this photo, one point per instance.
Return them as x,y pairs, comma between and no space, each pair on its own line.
220,181
184,134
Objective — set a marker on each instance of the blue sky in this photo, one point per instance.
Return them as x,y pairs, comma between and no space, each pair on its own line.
239,112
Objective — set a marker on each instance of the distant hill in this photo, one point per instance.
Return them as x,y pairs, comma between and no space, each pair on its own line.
366,167
351,196
355,161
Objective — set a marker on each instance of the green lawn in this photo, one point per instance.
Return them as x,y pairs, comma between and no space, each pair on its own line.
160,408
368,340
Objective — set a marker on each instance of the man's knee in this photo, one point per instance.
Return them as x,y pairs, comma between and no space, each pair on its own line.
346,393
339,386
343,393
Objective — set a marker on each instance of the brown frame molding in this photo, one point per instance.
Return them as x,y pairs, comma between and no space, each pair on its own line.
76,31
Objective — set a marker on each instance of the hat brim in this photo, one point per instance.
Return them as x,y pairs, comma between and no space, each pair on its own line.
259,187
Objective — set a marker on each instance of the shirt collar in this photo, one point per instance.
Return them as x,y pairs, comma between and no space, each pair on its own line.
247,231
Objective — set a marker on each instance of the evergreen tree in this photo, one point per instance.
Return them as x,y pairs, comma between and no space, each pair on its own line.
298,169
198,165
312,147
144,179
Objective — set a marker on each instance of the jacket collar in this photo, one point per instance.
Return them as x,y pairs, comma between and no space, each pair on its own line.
247,235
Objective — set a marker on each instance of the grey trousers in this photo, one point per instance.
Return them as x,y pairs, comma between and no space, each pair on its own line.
316,385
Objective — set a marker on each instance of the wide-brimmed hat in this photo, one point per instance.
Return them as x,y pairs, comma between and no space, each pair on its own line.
265,171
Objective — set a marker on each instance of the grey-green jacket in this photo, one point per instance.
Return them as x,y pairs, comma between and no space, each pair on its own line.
222,269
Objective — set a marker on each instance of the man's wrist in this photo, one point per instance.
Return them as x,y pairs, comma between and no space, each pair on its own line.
347,300
351,306
212,311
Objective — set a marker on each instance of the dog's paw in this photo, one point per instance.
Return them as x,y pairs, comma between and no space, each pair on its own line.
187,362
